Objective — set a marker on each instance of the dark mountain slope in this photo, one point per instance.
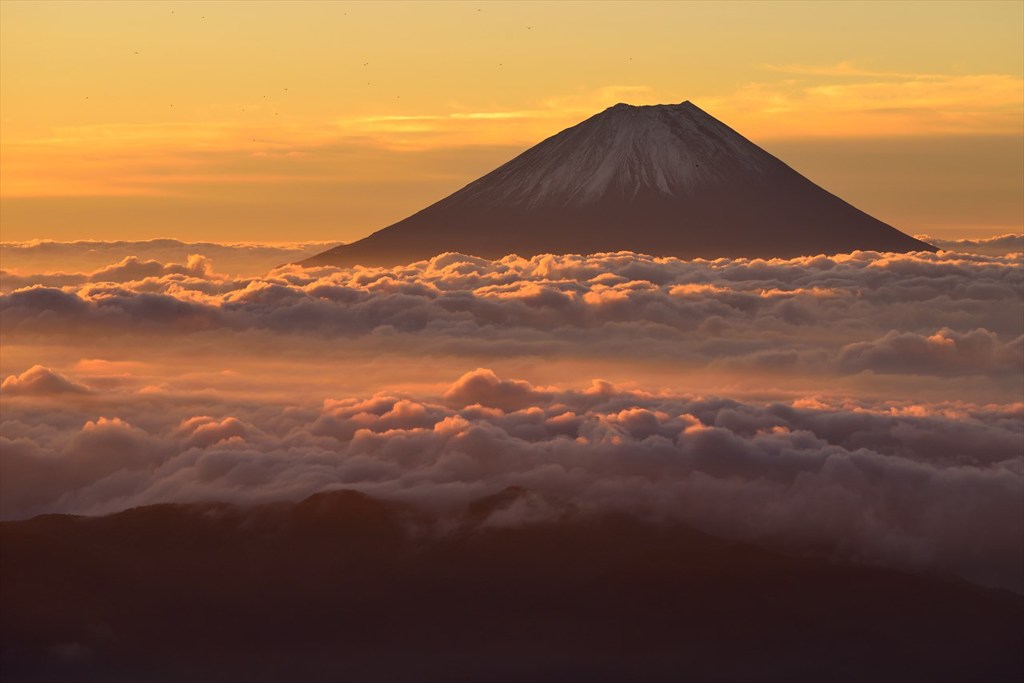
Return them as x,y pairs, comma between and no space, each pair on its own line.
341,587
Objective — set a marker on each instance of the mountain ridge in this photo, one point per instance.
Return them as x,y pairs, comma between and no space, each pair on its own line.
668,180
342,586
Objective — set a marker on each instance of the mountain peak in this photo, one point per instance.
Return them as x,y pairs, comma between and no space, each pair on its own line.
626,105
626,153
664,179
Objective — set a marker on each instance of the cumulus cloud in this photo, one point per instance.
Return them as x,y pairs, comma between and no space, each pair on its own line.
483,387
40,381
927,487
945,352
128,269
132,268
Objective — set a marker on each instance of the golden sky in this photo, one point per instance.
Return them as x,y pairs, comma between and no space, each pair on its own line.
288,121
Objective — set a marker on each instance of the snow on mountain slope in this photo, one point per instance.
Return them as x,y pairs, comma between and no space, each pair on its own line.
624,153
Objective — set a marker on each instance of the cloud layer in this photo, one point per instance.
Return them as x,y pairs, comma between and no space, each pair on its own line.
755,409
82,260
922,487
946,314
999,245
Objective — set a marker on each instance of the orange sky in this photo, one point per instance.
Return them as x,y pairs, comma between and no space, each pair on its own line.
299,121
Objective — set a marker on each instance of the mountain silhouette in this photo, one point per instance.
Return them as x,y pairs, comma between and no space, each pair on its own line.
346,587
666,180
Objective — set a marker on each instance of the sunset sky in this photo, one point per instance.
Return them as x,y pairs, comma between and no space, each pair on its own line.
270,121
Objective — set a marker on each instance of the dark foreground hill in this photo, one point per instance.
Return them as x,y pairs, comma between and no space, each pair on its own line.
667,180
341,587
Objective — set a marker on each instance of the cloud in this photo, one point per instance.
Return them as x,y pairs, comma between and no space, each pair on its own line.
132,268
83,260
945,352
40,381
105,446
483,387
842,313
929,484
999,245
926,487
843,100
845,68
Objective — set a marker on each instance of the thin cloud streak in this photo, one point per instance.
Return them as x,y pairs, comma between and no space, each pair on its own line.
873,104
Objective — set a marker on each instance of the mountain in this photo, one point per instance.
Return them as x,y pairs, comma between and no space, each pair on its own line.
667,180
345,587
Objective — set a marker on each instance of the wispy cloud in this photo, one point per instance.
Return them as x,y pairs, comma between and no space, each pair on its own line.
845,68
465,126
847,100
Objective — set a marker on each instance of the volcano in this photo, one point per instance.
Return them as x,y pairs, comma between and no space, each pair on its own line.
665,180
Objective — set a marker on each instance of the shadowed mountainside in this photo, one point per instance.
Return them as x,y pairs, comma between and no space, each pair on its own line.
666,180
342,587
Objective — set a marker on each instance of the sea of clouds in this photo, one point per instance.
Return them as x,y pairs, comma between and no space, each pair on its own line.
920,487
925,474
945,314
